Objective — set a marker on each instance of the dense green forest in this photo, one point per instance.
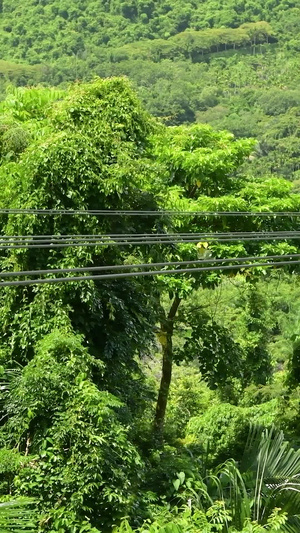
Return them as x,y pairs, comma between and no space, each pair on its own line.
94,433
149,404
230,64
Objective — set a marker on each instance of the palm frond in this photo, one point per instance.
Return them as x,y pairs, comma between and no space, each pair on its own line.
292,525
275,467
231,488
18,516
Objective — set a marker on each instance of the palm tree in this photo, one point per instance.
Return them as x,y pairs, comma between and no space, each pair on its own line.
267,479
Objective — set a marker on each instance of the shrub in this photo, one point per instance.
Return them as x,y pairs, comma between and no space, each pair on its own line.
223,430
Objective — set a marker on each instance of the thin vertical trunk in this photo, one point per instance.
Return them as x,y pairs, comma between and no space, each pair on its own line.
166,340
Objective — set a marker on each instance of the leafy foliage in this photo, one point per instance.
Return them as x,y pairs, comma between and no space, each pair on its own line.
244,499
74,393
58,346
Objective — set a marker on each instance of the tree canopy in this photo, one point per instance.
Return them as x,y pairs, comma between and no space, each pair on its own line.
85,430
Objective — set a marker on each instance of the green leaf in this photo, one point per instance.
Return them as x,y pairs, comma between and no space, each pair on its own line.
176,484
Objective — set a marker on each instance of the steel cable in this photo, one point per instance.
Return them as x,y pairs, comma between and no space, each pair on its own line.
120,212
142,265
20,239
143,273
166,241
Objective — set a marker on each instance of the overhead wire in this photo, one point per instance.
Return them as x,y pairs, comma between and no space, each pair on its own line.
143,265
143,273
13,239
5,245
120,212
128,239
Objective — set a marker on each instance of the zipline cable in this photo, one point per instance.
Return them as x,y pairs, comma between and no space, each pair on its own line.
142,265
143,273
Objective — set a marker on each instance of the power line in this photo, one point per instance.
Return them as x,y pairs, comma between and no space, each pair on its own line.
120,212
166,241
14,239
91,235
142,265
139,274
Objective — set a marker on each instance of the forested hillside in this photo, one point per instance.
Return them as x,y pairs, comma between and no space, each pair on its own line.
216,62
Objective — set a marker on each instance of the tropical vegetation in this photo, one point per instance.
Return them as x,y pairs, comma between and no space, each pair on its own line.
149,404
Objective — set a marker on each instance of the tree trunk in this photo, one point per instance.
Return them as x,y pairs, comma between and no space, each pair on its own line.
166,340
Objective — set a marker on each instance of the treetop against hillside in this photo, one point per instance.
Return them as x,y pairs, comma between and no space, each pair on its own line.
230,64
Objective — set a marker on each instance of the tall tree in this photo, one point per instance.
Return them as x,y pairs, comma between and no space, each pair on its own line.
201,170
76,343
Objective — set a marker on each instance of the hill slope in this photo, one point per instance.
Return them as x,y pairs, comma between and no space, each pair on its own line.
233,64
46,29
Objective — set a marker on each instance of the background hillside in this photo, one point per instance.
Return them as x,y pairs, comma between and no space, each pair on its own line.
232,64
